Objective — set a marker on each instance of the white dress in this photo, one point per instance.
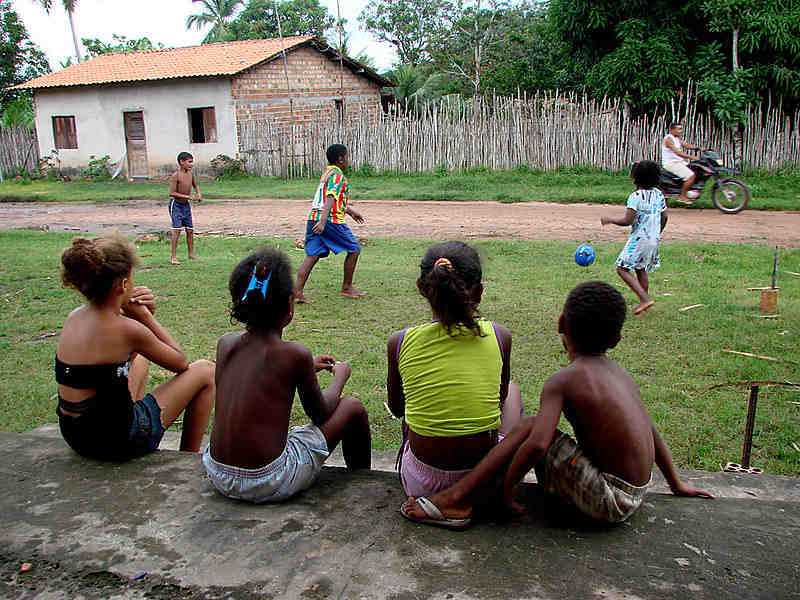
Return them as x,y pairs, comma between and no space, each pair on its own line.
641,251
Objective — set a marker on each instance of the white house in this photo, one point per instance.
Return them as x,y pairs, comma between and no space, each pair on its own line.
143,108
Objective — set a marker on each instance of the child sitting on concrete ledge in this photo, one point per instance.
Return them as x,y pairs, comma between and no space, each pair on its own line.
606,472
250,456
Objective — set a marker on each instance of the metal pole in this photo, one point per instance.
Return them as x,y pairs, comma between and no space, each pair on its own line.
775,268
748,432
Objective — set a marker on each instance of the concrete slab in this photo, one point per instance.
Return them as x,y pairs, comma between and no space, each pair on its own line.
153,528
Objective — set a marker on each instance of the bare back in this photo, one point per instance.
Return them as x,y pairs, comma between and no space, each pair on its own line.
256,378
604,407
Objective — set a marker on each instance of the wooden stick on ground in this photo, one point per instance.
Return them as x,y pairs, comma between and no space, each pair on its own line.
751,355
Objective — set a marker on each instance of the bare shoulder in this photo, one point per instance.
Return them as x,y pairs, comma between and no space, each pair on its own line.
295,351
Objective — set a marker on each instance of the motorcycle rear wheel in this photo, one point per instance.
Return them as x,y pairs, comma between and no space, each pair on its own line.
730,196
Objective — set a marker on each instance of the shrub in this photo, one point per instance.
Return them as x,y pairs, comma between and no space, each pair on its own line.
366,170
97,169
225,167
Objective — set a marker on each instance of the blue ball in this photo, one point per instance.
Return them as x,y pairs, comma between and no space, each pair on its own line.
584,255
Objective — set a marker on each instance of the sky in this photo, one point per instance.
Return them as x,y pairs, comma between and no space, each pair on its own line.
160,20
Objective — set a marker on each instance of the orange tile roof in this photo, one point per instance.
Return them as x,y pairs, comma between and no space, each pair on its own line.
223,58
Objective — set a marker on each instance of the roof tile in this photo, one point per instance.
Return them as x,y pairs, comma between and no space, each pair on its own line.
223,58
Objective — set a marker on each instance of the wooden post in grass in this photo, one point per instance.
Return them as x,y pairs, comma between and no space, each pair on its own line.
769,296
748,432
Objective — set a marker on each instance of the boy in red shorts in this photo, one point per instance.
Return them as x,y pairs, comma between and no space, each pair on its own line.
326,230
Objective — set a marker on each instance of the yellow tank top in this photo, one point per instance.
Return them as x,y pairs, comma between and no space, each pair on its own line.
451,384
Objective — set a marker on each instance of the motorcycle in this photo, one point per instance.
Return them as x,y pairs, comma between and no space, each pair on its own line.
728,194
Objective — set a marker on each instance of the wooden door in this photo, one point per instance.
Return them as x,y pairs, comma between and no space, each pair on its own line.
136,144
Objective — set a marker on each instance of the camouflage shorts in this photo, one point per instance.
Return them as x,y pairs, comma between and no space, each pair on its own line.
569,474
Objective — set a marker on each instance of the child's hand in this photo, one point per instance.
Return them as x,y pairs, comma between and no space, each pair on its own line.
341,369
136,311
687,489
604,220
199,197
144,295
356,216
324,362
318,227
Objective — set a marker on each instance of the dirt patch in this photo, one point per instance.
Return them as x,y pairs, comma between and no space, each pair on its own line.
403,219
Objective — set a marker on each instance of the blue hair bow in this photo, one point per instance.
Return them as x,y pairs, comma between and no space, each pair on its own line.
257,284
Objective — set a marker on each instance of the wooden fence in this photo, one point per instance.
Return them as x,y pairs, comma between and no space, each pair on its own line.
18,151
546,131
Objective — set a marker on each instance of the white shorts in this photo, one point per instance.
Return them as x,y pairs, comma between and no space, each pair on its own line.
293,471
679,168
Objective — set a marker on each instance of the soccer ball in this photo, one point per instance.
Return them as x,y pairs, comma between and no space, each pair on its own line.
584,255
693,194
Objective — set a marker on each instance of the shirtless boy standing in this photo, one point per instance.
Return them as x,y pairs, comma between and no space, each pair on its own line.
180,211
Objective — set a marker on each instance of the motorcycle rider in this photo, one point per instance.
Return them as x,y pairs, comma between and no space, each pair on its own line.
675,160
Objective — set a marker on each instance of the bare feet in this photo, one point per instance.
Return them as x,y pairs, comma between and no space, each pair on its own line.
440,500
192,257
300,299
643,307
175,261
352,293
684,200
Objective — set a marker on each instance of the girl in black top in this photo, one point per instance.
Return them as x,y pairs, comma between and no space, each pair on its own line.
104,355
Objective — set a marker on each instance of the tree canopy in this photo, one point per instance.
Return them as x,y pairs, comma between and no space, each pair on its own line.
20,59
297,17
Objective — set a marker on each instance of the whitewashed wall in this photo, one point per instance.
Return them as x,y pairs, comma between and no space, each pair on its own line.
98,112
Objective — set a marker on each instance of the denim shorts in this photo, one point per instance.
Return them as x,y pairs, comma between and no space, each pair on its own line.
181,214
146,428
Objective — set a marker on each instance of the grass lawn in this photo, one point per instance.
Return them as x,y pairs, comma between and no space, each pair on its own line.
768,192
675,356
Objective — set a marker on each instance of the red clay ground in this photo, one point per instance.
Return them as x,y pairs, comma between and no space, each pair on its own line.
403,219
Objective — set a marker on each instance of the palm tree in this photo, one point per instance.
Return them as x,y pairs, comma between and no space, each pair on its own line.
69,6
216,12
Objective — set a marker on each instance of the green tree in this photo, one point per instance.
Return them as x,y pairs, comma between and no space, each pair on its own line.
216,13
119,43
297,17
20,59
409,26
69,7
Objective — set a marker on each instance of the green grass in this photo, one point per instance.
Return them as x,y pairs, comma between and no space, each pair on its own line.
674,356
769,192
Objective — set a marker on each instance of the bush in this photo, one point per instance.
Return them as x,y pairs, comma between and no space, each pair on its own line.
97,169
366,170
225,167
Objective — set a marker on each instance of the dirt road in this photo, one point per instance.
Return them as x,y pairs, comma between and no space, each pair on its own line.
387,218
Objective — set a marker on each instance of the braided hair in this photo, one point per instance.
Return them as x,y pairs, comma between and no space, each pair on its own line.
257,308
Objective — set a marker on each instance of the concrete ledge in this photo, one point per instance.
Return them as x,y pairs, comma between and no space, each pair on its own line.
89,529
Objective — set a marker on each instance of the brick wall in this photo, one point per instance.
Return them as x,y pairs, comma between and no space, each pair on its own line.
317,82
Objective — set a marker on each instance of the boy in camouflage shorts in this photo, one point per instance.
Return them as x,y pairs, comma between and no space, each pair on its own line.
606,471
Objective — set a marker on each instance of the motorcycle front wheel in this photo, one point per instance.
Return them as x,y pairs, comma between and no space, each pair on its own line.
730,196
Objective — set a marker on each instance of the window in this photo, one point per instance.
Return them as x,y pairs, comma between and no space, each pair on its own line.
339,105
202,125
64,133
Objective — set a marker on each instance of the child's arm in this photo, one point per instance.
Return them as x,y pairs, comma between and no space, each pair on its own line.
667,467
663,220
319,226
355,214
320,404
541,436
198,196
395,397
626,220
149,338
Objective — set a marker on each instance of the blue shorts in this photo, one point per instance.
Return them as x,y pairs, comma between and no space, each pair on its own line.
336,238
146,428
181,214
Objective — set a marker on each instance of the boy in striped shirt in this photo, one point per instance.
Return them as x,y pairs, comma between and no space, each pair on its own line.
326,230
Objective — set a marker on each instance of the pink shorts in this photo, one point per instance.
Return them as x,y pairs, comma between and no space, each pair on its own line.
420,479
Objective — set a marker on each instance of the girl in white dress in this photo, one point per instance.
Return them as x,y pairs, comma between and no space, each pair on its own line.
646,211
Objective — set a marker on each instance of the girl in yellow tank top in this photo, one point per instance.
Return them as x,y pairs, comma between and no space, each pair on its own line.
449,379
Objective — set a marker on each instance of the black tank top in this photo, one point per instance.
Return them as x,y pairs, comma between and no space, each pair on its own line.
102,427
